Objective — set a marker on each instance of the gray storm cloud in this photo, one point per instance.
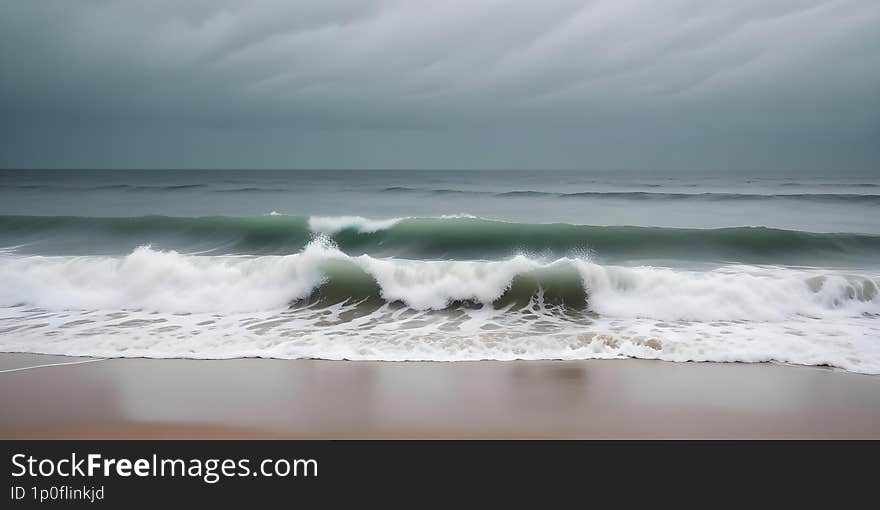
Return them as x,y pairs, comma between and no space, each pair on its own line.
780,85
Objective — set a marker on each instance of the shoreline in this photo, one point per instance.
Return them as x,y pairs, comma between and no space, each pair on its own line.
317,399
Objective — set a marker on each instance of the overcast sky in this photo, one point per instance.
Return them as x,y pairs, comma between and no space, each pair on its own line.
781,85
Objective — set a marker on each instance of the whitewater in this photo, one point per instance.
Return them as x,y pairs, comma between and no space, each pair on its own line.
443,266
322,303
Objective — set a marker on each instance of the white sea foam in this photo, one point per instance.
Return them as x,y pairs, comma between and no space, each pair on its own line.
333,224
728,293
165,304
433,284
163,281
458,216
173,282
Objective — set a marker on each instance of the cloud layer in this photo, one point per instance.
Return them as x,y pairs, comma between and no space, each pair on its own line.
781,85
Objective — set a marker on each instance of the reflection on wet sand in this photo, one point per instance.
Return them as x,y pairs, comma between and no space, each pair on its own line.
543,399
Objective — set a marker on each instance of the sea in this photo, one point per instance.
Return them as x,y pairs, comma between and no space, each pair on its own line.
442,265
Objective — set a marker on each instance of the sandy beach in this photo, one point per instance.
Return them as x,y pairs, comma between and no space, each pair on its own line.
268,398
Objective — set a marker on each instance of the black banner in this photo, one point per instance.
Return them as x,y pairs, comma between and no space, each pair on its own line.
229,473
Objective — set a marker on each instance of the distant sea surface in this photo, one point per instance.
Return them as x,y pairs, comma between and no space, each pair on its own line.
442,265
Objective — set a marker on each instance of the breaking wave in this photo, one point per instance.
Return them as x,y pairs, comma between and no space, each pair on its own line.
323,303
172,282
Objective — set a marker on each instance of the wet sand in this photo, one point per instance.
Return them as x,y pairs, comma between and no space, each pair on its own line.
263,398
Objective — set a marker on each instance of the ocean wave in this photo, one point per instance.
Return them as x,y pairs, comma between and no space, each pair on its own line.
709,196
322,303
435,191
831,184
336,224
145,188
252,189
104,187
173,282
650,195
446,237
